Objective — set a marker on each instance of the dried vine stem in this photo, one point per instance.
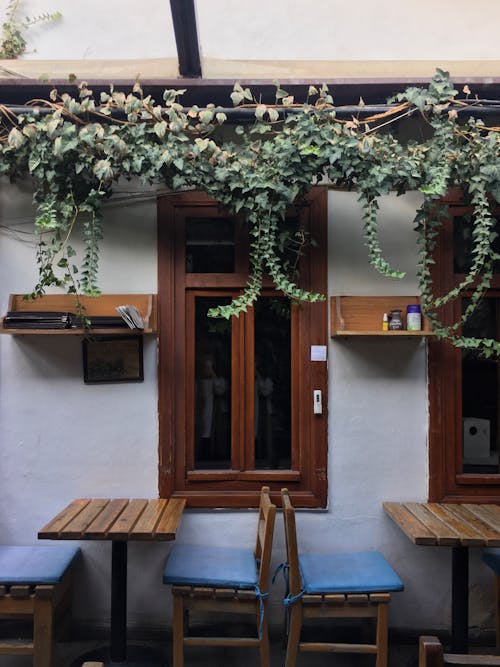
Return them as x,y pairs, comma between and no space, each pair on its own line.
77,150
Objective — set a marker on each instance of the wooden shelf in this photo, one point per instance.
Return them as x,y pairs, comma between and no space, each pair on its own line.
362,316
103,304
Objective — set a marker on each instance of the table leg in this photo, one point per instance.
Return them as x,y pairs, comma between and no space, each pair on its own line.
117,653
119,601
460,600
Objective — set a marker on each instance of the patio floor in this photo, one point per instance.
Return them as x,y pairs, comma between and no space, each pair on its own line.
399,656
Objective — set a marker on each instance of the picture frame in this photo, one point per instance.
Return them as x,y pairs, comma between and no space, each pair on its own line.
113,359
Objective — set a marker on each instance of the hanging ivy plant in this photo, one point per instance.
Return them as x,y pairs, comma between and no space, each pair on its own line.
12,40
77,151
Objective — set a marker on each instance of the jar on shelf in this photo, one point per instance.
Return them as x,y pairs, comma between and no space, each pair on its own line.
413,317
395,320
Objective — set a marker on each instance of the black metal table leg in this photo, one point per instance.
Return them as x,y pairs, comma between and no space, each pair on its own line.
117,653
119,601
460,600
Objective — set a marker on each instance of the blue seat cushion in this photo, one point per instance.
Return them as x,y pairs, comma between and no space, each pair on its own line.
360,572
492,559
211,566
35,564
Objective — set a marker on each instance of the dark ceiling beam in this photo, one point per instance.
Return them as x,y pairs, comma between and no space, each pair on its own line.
345,91
186,37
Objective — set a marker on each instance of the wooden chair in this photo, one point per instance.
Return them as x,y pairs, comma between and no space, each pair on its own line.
219,579
492,560
35,583
431,654
335,585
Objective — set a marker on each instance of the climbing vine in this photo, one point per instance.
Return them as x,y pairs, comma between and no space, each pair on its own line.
76,148
12,40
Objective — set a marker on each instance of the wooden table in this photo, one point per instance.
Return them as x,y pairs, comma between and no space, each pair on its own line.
120,521
458,527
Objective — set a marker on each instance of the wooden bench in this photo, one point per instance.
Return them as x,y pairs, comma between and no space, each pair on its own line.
431,654
35,584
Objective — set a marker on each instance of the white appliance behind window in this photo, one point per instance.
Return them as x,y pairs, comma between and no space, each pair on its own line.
476,438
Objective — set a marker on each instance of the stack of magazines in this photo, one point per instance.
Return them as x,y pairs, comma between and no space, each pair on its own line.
34,319
131,316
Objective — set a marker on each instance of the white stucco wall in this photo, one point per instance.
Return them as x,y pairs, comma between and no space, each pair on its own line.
62,439
97,30
261,30
334,30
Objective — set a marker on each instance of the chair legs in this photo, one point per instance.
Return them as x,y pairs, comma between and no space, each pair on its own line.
178,631
40,603
43,627
381,634
292,647
377,610
264,650
210,600
497,611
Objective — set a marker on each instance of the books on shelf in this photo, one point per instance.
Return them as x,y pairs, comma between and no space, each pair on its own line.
128,316
24,319
131,316
102,322
27,319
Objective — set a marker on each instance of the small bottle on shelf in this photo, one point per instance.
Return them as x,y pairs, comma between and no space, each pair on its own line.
385,323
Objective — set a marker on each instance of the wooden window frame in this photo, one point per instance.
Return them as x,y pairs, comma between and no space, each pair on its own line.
307,480
447,481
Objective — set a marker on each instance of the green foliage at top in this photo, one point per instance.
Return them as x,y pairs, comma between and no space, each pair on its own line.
77,152
13,42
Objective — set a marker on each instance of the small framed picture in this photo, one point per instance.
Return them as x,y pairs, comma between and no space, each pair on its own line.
117,359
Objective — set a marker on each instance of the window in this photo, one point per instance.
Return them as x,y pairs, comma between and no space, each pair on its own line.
236,397
464,395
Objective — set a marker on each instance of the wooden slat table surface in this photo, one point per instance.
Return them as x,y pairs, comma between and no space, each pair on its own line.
116,519
460,527
442,524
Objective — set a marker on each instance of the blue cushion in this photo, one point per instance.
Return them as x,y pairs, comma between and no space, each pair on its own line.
35,564
211,566
361,572
492,559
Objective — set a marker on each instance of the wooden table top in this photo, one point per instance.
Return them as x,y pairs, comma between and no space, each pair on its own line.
443,524
116,519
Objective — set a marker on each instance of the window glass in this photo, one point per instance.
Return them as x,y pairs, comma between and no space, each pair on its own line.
464,394
480,395
210,245
463,246
272,388
212,386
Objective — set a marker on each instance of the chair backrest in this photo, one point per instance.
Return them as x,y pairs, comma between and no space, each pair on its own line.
292,552
265,532
431,654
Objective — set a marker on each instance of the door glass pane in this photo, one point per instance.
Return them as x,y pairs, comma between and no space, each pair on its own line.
480,394
212,386
210,245
463,245
272,389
